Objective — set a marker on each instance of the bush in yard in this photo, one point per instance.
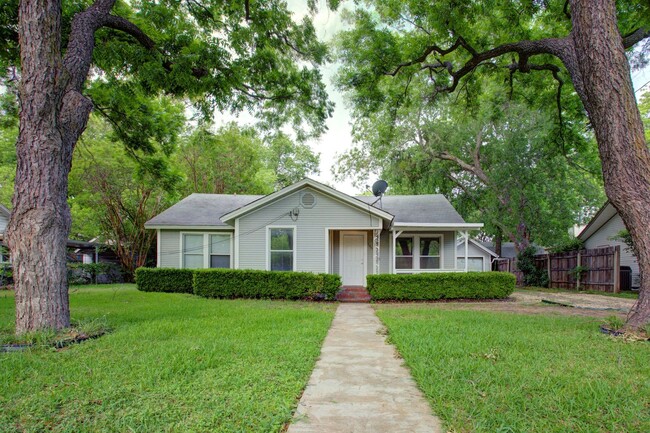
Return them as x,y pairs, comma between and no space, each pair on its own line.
533,276
444,285
243,283
164,280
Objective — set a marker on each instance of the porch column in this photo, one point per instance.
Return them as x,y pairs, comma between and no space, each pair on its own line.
395,236
377,252
465,235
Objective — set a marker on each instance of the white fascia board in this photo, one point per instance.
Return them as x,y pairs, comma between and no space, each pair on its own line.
210,228
439,226
296,187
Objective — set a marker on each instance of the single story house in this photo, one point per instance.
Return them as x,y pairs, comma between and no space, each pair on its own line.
312,227
602,231
479,257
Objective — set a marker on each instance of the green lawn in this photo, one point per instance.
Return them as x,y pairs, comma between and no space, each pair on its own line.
500,372
173,362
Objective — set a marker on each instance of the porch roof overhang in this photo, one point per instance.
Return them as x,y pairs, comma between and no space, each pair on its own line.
405,226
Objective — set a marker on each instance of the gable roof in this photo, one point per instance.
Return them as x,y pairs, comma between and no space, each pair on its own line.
215,211
508,250
478,245
604,214
322,188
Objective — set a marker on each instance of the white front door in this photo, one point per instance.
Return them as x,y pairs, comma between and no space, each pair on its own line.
353,259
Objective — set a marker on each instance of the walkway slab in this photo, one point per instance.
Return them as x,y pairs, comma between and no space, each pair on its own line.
360,384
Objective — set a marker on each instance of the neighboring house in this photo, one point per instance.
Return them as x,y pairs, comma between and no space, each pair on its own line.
508,250
479,257
312,227
601,231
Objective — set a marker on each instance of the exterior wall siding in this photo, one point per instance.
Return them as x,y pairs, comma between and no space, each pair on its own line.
474,251
602,238
170,246
3,223
311,230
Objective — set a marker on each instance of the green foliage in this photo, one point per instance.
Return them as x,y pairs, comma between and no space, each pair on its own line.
434,286
291,162
573,244
533,276
166,280
625,237
242,283
488,372
172,362
614,323
578,272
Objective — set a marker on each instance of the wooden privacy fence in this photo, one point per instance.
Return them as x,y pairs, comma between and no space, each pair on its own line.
600,269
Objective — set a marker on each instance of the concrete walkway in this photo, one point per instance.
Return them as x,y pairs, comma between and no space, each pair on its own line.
359,384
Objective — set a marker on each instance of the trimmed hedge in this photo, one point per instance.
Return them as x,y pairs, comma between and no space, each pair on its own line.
239,283
444,285
243,283
164,280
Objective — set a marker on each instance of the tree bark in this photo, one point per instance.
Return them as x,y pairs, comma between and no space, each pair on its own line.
600,66
52,117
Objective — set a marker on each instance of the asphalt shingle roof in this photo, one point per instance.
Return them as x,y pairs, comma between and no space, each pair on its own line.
207,209
425,208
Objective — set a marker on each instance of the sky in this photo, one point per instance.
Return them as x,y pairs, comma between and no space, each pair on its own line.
338,137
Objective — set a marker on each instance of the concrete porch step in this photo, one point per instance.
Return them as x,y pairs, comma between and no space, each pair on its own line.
353,294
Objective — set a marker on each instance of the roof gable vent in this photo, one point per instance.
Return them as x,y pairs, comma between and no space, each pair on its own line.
307,200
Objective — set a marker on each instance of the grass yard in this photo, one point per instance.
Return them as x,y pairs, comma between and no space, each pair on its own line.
173,363
501,372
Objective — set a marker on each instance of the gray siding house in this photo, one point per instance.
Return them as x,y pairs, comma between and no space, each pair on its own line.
312,227
601,231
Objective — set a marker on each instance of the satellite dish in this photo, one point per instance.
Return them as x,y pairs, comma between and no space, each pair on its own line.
379,188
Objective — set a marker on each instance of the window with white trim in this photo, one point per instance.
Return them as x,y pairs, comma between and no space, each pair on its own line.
220,251
418,252
281,248
206,250
193,251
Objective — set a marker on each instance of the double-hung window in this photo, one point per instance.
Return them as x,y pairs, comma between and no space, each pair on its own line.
281,249
206,250
418,252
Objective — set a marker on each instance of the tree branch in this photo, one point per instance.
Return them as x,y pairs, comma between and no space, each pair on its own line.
636,36
126,26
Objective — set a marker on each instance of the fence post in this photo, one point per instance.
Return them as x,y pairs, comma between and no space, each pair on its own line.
578,274
548,270
617,269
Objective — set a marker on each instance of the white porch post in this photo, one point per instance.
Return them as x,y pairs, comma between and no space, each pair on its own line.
395,236
376,245
465,235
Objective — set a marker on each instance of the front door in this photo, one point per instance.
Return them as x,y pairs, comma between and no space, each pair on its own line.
353,259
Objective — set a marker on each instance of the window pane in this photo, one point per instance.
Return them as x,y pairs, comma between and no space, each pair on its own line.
404,247
282,239
404,262
282,261
474,264
429,247
193,244
219,261
220,244
429,262
193,261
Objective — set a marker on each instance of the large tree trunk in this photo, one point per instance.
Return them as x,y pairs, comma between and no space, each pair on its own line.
602,77
52,117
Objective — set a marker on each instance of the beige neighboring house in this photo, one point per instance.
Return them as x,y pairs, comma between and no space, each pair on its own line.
4,220
312,227
601,231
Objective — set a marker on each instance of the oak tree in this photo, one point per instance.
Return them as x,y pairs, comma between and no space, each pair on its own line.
116,56
581,42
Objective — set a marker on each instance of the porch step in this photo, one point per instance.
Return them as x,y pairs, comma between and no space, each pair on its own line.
353,294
